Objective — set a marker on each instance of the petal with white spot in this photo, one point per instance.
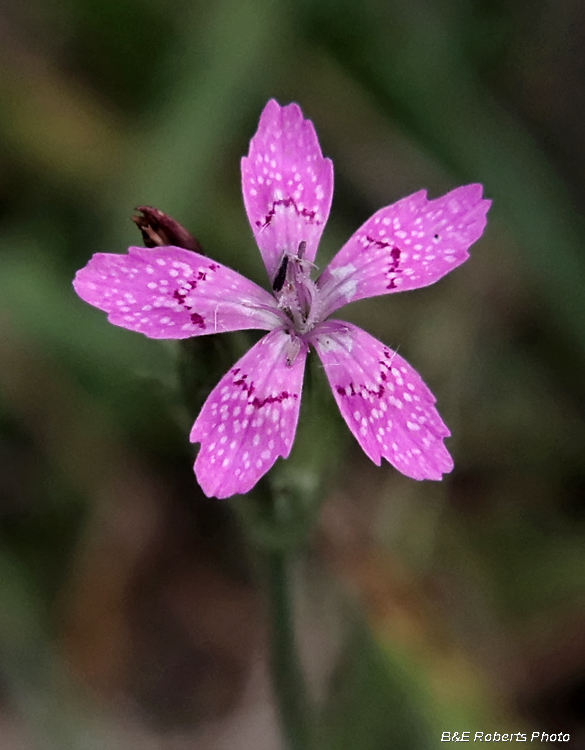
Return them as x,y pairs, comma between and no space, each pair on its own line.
287,185
172,293
250,418
407,245
384,401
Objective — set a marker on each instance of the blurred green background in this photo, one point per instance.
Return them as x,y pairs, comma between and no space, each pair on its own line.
129,617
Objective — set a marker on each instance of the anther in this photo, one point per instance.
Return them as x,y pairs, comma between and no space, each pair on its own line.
280,277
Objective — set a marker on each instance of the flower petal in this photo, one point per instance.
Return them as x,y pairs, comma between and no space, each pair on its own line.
384,401
250,418
407,245
287,185
171,293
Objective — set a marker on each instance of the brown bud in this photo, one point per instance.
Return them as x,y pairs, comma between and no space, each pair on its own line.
159,229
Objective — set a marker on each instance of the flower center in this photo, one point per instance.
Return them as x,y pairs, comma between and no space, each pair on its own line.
297,295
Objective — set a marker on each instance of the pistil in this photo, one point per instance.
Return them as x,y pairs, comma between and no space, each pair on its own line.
295,291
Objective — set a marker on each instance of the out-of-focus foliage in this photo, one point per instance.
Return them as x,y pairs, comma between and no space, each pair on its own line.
130,616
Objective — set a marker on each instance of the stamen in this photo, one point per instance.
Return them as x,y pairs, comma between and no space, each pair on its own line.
292,349
296,293
280,277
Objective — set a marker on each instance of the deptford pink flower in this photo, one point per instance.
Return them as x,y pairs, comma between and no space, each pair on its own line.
250,418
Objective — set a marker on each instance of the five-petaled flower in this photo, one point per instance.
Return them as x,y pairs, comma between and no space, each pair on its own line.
250,417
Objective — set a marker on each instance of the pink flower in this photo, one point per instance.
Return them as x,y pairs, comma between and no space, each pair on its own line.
250,418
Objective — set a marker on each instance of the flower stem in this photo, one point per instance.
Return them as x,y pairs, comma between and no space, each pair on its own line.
287,676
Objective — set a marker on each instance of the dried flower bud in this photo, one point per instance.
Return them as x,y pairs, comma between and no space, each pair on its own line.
160,229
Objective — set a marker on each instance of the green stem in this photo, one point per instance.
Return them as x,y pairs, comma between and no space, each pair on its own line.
287,675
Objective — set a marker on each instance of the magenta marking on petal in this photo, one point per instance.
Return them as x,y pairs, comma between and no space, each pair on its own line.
286,202
241,382
197,320
363,390
249,388
351,389
393,263
277,399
